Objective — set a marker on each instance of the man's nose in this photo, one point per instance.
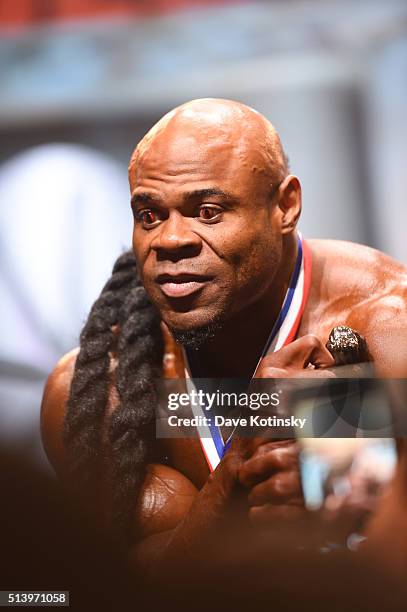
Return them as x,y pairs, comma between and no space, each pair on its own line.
175,237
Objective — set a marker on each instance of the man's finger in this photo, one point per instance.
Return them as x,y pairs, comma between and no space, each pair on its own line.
281,488
267,460
299,354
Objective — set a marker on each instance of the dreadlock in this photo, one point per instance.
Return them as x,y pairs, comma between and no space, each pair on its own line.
122,306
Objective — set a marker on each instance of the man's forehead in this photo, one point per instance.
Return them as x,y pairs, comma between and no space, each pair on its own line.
187,170
186,148
192,136
222,135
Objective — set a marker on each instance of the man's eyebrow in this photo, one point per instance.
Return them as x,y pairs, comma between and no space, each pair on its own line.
147,198
211,191
143,198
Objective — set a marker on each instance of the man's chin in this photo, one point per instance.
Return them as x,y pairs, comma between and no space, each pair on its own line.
197,337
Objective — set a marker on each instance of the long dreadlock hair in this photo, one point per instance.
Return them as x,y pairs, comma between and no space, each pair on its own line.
124,310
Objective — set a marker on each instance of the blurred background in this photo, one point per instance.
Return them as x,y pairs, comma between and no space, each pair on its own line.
82,80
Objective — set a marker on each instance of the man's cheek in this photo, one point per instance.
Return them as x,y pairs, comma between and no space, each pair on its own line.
249,261
257,271
151,288
142,263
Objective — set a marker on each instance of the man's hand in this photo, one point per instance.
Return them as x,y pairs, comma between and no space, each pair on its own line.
270,470
304,357
272,477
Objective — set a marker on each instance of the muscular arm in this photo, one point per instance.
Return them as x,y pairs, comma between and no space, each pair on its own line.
383,321
172,518
53,410
365,289
188,521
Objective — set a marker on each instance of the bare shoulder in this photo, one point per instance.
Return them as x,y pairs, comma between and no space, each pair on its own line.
53,408
348,275
351,265
366,289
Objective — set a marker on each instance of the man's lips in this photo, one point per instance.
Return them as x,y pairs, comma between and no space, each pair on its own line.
182,284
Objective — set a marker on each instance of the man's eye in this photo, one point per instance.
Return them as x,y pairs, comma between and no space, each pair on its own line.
210,213
147,217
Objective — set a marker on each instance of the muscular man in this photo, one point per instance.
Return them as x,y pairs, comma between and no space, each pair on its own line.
215,251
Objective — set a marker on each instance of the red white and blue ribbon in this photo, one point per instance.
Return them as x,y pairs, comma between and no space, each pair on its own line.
284,331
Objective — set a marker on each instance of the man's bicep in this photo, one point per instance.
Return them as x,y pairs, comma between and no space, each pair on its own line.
163,503
164,500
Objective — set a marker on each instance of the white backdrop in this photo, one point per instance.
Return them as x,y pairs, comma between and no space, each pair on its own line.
64,218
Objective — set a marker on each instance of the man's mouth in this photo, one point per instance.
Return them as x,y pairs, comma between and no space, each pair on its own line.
182,284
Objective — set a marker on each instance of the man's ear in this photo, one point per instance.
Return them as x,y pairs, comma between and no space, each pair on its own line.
289,202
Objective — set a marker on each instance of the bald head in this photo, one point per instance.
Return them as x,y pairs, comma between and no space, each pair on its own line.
212,197
210,120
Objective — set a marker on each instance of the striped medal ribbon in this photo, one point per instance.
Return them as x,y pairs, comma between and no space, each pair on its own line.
284,331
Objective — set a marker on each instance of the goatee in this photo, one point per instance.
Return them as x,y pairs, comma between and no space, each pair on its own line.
197,337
